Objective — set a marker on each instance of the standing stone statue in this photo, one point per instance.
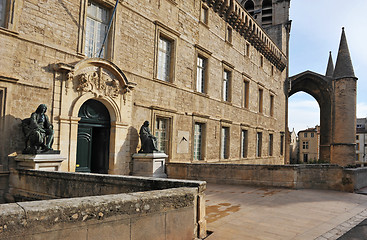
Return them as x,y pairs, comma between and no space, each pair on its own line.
148,141
38,132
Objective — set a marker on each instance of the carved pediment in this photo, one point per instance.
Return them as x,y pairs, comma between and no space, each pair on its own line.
95,75
98,81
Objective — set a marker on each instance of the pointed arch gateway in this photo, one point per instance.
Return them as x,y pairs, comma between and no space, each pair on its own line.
93,116
320,88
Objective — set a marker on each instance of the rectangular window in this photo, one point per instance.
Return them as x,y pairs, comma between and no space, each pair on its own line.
2,104
164,59
201,74
270,145
357,146
312,135
224,146
247,49
259,137
357,157
260,100
226,85
357,137
2,12
272,70
229,34
261,61
271,105
305,135
162,134
244,143
204,17
246,92
198,141
96,29
305,145
281,145
305,157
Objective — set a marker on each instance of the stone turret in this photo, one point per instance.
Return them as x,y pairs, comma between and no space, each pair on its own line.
344,110
330,67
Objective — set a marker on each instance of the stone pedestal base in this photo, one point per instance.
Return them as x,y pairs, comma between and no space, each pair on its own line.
149,164
47,162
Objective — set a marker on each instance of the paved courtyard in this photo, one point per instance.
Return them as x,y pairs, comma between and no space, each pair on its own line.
242,212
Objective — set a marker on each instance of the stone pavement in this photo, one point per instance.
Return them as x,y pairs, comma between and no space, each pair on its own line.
242,212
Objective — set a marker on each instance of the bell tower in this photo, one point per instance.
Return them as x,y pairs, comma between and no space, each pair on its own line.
273,16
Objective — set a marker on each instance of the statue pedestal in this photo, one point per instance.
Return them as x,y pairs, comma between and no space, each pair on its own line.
149,164
47,162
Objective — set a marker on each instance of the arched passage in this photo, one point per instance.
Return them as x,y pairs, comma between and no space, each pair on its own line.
320,88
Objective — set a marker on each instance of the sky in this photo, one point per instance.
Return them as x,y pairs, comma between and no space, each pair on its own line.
316,30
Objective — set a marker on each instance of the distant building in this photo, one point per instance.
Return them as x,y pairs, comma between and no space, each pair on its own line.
309,142
294,147
361,139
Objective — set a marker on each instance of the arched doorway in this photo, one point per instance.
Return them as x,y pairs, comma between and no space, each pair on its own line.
93,138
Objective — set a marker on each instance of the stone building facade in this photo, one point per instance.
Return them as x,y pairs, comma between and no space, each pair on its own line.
207,75
361,140
309,145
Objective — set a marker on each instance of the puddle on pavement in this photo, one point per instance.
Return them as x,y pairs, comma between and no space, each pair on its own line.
215,212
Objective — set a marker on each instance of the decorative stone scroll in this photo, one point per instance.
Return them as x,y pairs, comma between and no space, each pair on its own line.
99,82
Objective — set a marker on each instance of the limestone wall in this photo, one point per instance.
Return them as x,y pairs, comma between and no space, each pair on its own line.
324,176
84,206
164,214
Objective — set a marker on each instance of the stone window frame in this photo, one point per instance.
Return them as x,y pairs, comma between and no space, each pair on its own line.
227,147
204,123
171,35
246,93
259,144
12,12
83,23
271,104
205,54
271,145
244,144
260,100
168,131
305,145
229,34
247,49
170,117
281,143
3,93
204,11
227,67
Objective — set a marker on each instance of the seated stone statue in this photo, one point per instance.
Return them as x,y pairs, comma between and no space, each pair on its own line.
38,131
148,141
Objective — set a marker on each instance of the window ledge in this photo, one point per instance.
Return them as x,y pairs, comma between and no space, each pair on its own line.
164,82
204,24
173,2
8,31
201,94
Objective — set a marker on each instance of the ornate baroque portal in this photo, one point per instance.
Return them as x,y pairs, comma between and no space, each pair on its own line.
94,96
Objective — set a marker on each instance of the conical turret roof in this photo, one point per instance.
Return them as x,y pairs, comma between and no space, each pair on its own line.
343,66
330,67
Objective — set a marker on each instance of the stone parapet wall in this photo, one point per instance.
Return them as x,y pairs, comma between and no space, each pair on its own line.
43,185
322,176
163,214
101,206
